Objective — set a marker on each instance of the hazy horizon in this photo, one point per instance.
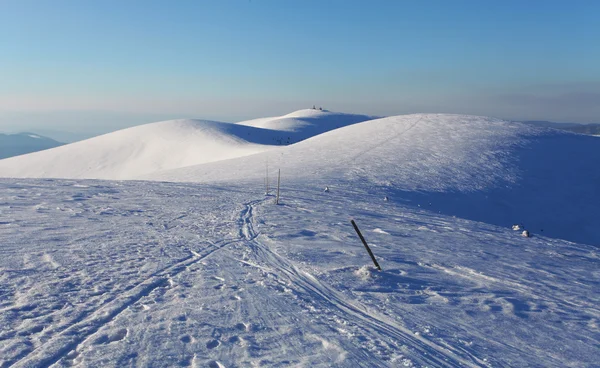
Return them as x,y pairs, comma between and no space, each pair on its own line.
87,68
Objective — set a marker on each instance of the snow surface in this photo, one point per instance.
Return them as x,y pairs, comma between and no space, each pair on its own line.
473,167
209,272
162,274
145,149
303,124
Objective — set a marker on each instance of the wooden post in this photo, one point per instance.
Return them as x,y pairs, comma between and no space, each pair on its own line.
366,245
278,181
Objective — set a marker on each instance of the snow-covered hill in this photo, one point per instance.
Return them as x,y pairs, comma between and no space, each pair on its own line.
23,143
145,149
303,124
477,168
209,272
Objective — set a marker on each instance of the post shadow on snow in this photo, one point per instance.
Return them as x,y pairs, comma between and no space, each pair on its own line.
557,193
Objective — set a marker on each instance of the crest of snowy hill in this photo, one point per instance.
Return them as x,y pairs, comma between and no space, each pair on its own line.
23,143
473,167
145,149
303,124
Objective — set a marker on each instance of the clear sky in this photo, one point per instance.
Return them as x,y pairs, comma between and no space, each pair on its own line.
100,65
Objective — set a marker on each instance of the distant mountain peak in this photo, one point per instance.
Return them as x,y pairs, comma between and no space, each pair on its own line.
23,143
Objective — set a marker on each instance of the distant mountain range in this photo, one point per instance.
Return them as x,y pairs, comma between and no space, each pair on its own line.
22,143
591,129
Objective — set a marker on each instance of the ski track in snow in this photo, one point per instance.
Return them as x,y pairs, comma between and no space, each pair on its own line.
185,275
339,308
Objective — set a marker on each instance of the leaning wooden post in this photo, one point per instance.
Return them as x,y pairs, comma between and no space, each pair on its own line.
278,181
366,245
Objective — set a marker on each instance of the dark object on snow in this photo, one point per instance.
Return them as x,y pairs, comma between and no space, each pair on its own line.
366,245
326,189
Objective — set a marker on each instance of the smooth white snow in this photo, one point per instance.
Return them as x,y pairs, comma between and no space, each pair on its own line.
303,124
473,167
145,149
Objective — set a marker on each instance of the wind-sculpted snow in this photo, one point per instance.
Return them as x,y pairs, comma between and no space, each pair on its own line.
115,274
145,149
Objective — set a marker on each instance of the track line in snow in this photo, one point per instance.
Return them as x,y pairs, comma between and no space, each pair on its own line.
382,143
428,352
68,340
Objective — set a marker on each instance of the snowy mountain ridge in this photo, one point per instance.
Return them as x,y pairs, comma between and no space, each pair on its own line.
473,167
144,149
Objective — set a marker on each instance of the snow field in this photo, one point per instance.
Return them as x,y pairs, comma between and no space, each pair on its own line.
473,167
185,275
202,269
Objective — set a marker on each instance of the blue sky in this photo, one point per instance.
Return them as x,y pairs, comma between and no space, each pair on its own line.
85,65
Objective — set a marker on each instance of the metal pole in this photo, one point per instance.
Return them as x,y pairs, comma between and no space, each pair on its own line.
366,245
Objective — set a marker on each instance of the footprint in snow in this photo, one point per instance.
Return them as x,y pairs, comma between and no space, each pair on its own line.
215,364
186,339
108,338
241,326
213,344
236,340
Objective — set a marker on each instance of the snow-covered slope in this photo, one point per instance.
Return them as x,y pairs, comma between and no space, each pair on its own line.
129,153
303,124
144,149
477,168
214,274
23,143
140,274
